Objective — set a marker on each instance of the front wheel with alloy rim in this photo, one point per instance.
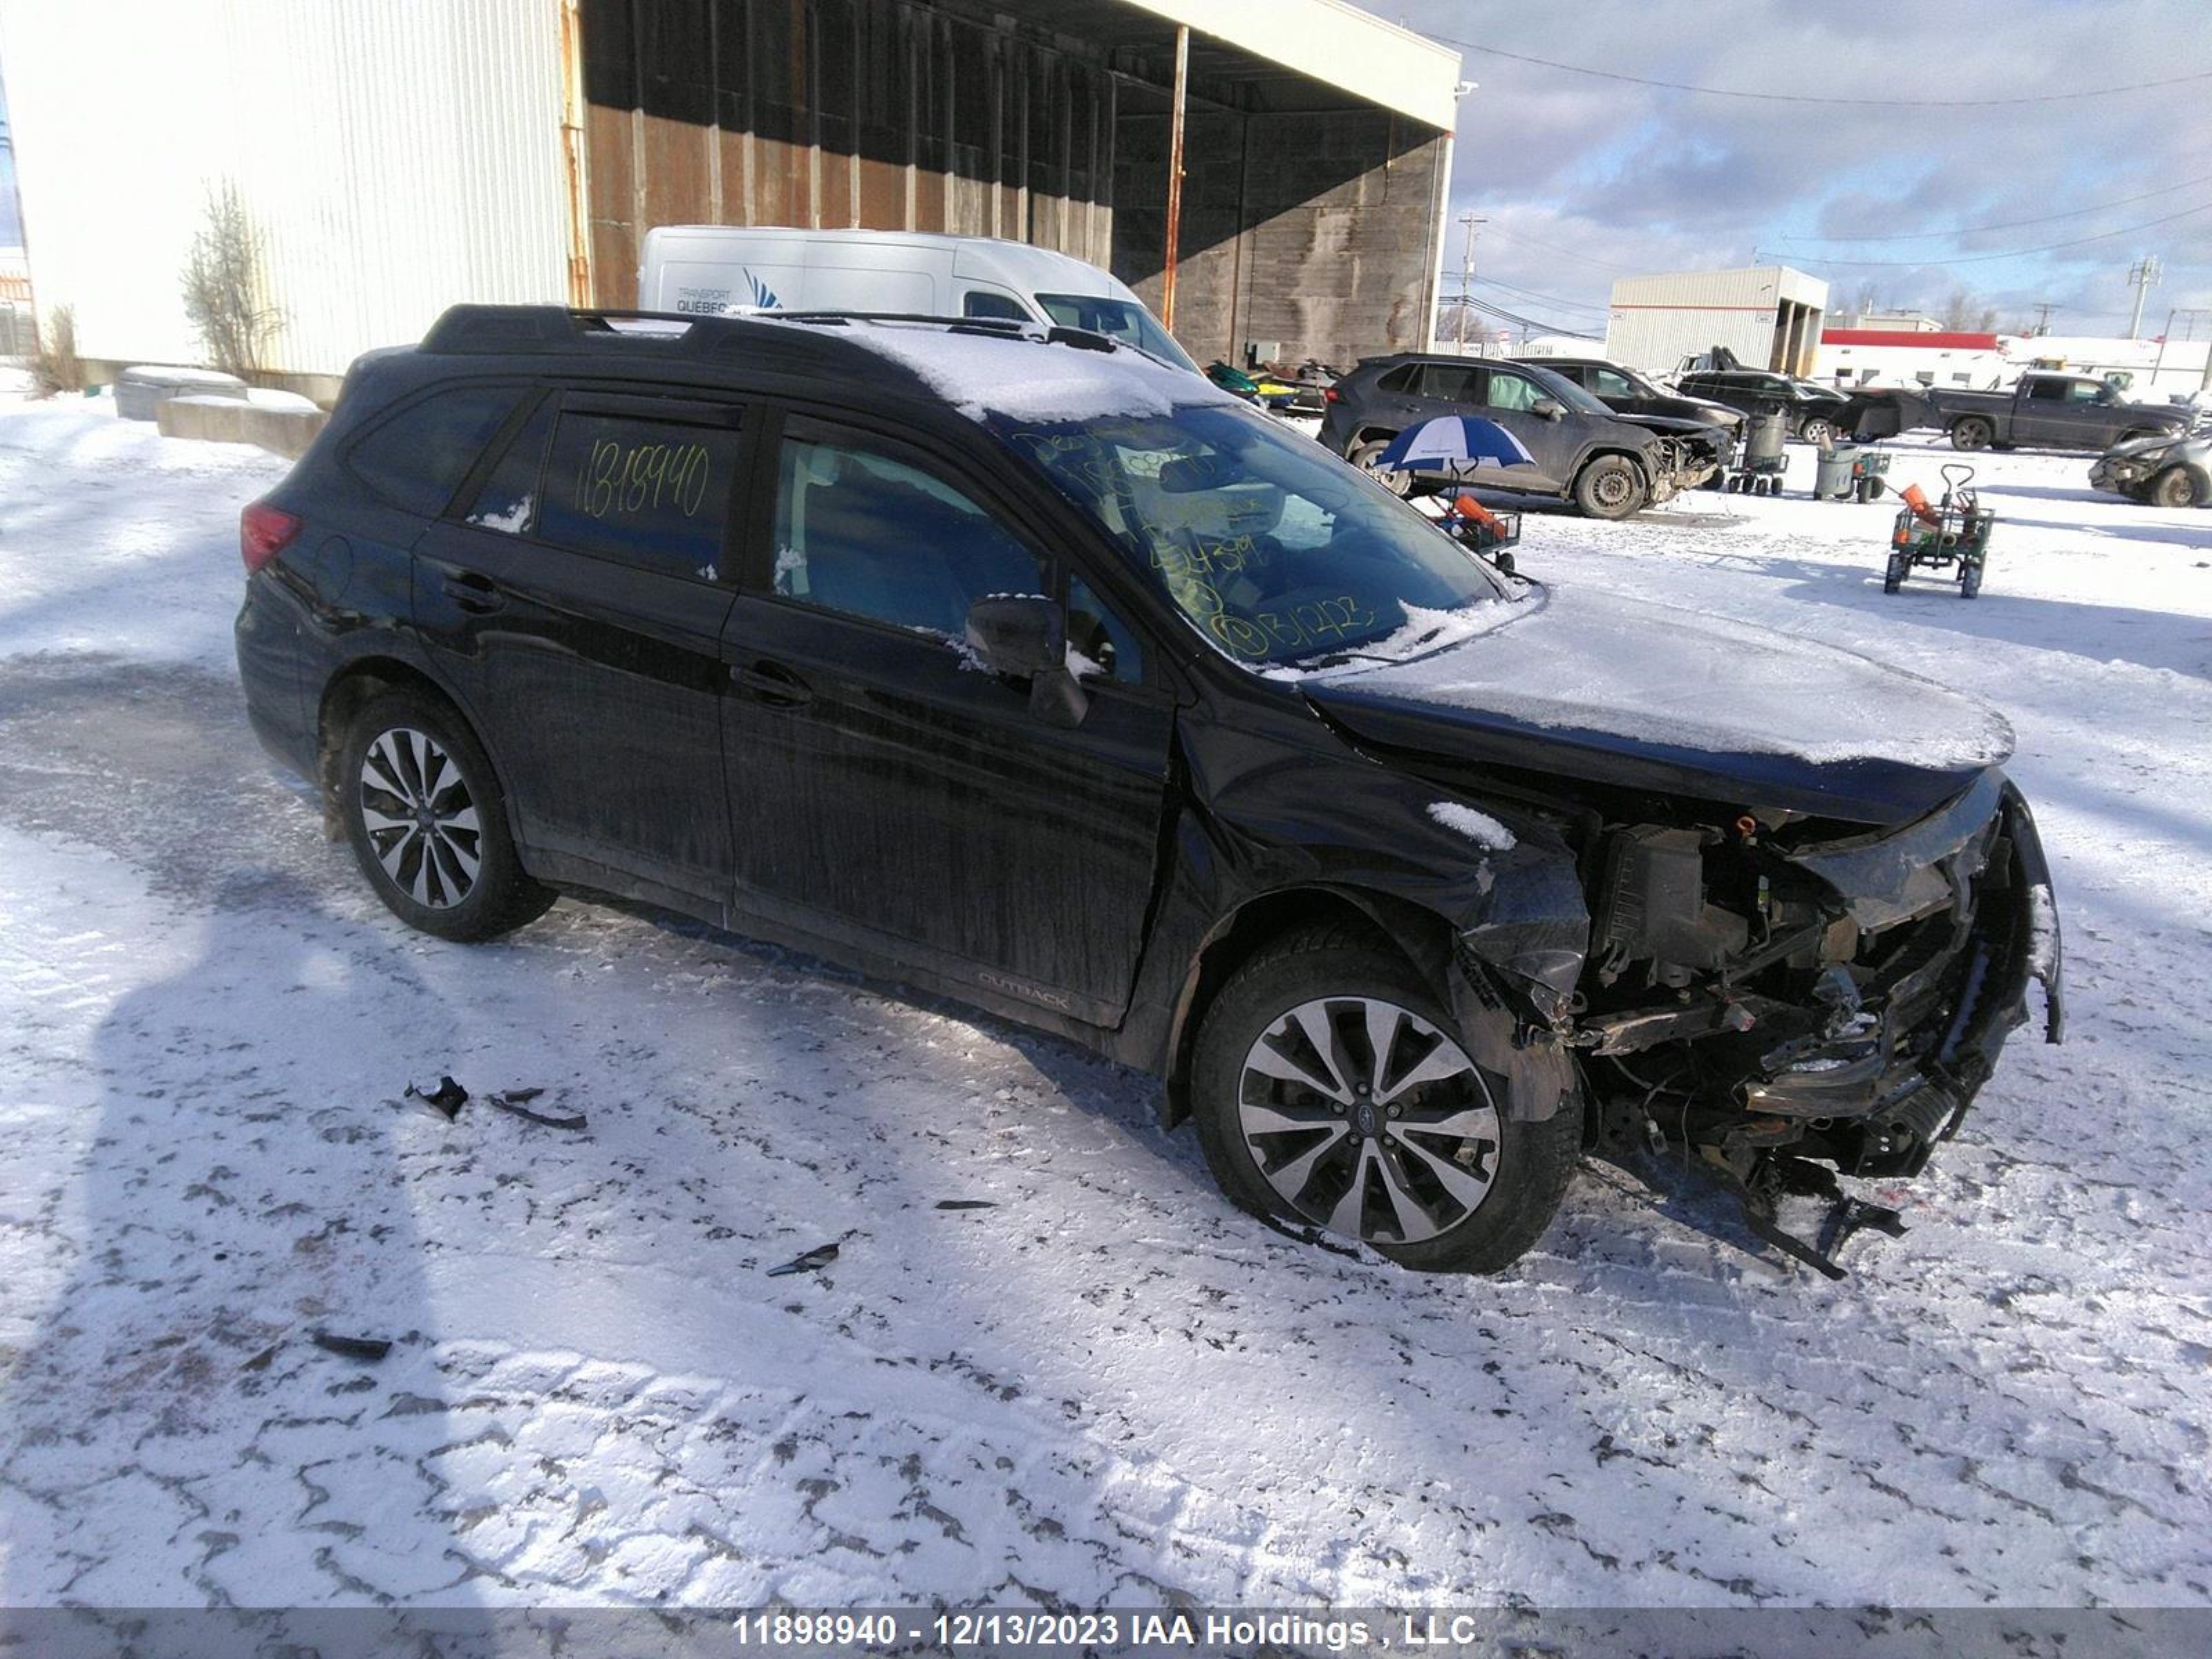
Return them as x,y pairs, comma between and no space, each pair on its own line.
1818,430
428,825
1331,1088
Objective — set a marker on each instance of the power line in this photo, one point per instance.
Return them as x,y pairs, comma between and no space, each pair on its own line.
2008,224
1545,299
1564,253
1490,308
1804,98
2017,253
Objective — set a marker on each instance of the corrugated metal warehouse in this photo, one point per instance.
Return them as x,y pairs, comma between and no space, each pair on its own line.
1768,315
399,158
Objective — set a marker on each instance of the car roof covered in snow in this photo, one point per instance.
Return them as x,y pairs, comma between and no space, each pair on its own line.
982,367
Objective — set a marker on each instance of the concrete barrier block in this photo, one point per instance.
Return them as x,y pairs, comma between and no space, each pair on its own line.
140,392
282,429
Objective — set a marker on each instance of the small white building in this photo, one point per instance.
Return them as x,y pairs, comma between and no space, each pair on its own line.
1908,356
1769,316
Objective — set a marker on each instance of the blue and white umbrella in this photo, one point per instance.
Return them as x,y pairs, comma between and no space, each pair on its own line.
1453,442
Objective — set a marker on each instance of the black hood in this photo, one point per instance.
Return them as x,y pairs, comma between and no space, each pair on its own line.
1697,412
1587,685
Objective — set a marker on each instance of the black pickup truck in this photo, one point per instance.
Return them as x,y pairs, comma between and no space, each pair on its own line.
2042,410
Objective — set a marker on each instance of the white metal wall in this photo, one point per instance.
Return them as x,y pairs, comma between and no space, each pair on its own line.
397,156
1659,320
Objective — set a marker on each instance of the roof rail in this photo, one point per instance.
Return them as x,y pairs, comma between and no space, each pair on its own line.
493,328
478,329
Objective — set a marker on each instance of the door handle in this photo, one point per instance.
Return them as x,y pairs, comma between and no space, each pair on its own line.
772,684
473,592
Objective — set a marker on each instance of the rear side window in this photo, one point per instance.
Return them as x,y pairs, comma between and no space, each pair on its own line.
1399,379
1450,383
418,457
509,498
652,494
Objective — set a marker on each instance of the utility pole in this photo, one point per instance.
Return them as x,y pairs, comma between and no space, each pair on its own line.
1466,276
2140,276
2043,310
1175,175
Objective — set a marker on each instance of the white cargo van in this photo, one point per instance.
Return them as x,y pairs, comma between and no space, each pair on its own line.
719,269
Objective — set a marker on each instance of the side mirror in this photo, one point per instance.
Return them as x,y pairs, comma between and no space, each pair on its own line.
1018,635
1025,637
1548,409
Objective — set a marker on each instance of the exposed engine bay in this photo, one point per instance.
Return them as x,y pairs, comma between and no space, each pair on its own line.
1787,999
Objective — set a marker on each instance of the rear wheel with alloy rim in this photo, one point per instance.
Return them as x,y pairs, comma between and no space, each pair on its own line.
1364,456
1330,1088
428,825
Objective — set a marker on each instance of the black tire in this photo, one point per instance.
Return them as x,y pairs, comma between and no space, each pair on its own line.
1970,579
1893,578
1972,432
417,859
1609,488
2175,487
1529,1164
1817,430
1362,455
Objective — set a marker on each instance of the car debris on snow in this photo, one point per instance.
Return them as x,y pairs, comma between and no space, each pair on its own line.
449,1097
368,1348
813,1260
511,1101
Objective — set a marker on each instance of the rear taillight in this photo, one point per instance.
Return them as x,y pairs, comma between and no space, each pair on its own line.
263,532
1330,395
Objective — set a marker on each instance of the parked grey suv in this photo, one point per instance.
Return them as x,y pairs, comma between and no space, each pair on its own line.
1582,451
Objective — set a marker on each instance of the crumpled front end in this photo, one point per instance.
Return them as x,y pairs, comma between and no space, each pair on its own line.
1785,997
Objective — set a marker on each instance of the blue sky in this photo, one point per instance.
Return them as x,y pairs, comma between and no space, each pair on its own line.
1583,178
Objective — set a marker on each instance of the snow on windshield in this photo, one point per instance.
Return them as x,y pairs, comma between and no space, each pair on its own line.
1590,659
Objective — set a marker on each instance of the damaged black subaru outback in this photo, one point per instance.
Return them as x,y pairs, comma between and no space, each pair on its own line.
1011,664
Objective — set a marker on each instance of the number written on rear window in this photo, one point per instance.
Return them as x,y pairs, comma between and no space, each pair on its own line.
651,493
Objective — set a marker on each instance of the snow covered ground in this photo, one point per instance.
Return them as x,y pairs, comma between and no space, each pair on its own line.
1107,1387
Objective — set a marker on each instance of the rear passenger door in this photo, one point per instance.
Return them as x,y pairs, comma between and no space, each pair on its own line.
891,792
575,598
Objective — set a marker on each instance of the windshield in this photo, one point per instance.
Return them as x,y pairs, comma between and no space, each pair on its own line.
1121,320
1271,547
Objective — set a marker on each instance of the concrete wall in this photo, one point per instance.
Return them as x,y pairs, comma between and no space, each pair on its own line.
1315,230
